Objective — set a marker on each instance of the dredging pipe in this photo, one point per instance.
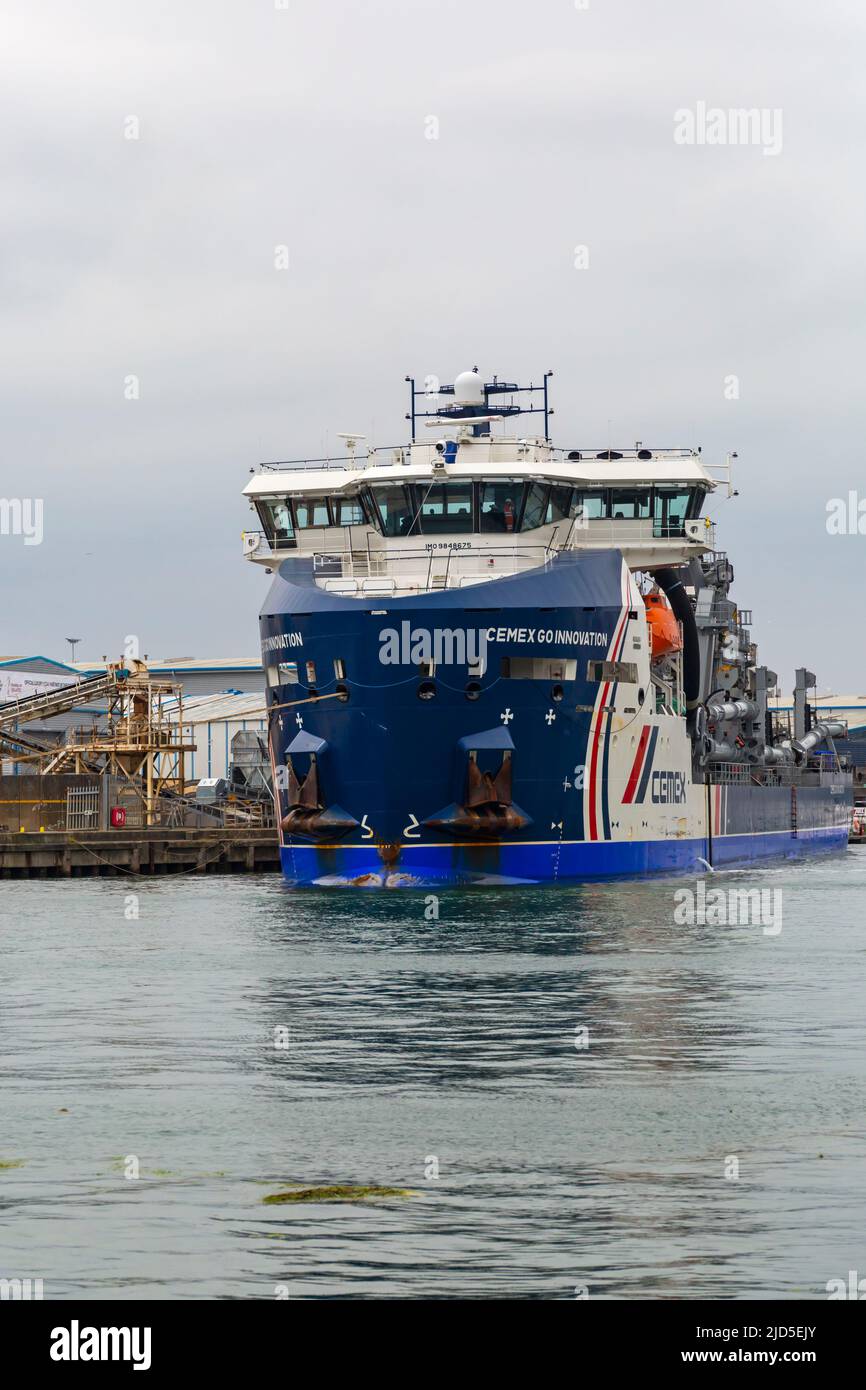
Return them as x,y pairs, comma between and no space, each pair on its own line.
826,728
670,581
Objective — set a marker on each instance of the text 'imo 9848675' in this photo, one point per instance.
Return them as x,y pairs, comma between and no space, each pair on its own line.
490,660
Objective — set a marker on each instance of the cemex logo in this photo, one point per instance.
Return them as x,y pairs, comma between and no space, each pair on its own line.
668,788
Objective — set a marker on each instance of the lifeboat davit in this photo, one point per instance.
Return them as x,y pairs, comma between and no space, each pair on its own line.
666,635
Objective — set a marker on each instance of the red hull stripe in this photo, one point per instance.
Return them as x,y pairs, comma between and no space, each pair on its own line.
619,638
593,829
638,760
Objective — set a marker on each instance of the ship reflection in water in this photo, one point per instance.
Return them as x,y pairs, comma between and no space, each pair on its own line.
584,1075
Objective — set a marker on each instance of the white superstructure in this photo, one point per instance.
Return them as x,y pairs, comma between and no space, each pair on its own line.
475,504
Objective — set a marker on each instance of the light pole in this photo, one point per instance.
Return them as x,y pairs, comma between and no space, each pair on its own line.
73,642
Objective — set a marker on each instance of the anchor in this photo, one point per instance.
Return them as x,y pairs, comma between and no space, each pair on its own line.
487,808
307,813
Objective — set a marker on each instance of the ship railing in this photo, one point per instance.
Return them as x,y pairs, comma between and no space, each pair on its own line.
261,542
830,767
607,454
116,733
381,457
824,769
618,531
727,614
331,543
575,534
754,774
435,566
728,774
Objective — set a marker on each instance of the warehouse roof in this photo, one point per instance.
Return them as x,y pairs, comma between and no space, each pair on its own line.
207,709
39,663
159,665
183,664
856,702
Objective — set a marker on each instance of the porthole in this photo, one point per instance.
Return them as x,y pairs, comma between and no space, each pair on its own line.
557,692
427,690
342,692
473,690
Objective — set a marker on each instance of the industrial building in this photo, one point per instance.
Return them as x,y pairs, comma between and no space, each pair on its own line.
22,676
221,697
197,675
211,722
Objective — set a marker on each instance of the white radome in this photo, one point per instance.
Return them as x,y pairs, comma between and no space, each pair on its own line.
469,389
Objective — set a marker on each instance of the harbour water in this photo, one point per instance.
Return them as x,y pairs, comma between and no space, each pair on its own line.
602,1160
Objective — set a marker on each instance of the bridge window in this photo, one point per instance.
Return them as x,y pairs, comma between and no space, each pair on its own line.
592,504
394,504
671,507
276,518
499,505
535,507
446,508
311,511
559,504
348,511
630,504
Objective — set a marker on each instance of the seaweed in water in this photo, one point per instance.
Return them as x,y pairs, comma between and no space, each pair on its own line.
346,1193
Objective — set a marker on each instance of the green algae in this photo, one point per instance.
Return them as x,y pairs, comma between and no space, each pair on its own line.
347,1192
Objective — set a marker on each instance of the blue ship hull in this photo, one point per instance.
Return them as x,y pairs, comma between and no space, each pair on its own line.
432,865
501,777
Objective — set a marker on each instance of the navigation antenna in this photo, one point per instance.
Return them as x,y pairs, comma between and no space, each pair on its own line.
479,406
351,443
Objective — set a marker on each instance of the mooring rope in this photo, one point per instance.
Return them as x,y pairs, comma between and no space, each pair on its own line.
312,700
142,873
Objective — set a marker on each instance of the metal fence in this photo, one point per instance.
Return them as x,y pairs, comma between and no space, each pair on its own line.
82,808
820,770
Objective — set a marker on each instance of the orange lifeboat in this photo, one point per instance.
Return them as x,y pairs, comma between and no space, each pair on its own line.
666,635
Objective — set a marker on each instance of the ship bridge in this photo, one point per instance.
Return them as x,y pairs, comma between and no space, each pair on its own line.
474,503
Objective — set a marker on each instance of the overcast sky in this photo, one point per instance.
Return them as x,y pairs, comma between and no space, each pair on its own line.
307,126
